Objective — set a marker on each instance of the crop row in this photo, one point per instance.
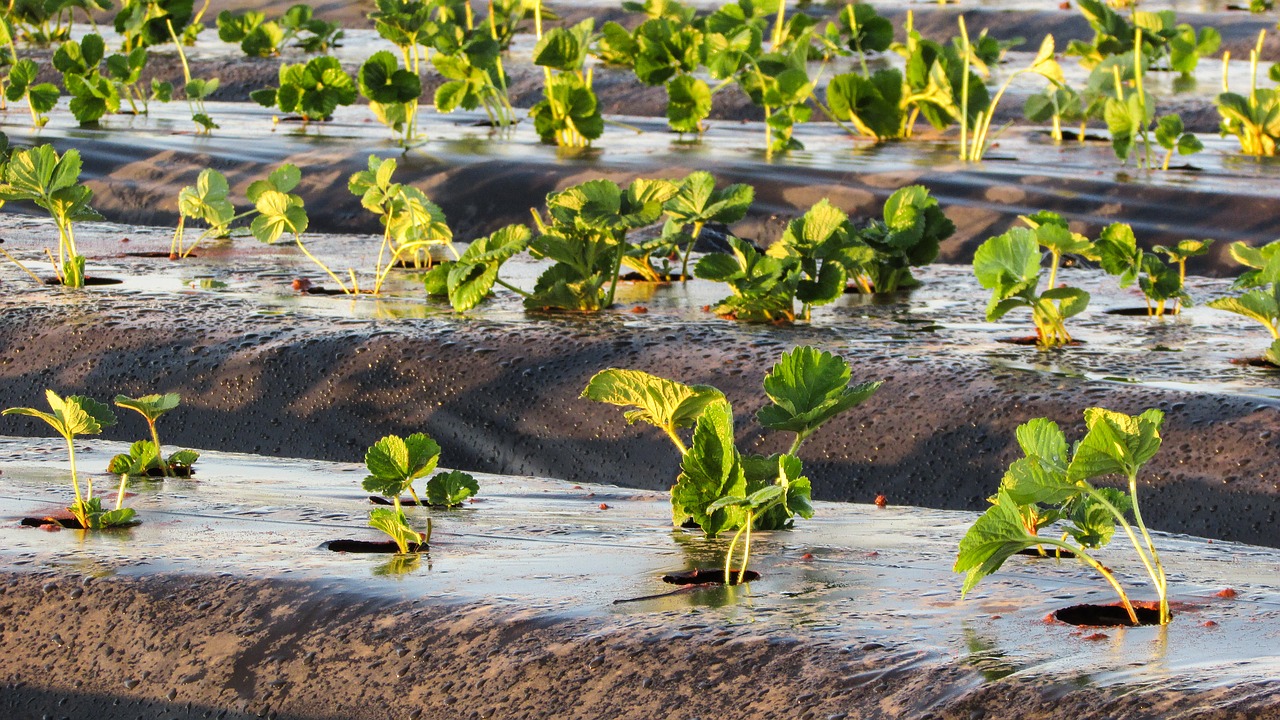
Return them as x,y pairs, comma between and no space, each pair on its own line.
721,489
766,53
596,232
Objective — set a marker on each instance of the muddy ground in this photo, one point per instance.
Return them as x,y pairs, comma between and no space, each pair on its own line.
174,646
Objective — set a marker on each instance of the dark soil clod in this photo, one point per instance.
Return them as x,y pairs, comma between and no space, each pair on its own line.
367,547
1107,615
703,576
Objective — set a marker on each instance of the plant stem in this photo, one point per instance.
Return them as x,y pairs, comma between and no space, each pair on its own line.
1158,577
684,264
22,267
1106,574
314,259
75,482
746,547
778,24
671,433
1137,546
124,480
512,288
964,92
155,438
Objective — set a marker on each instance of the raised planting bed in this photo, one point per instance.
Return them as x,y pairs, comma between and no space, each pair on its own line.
265,369
545,599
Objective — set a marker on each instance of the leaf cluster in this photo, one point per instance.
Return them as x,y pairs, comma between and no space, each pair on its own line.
1051,484
313,89
719,487
394,463
1009,266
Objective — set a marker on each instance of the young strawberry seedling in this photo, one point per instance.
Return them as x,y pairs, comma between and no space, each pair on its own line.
145,457
394,463
719,488
78,415
1051,484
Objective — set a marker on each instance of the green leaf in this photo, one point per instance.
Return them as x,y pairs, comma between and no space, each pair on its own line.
1257,305
142,456
393,522
382,80
660,402
114,518
1116,444
1092,523
469,280
183,460
1041,438
808,387
1272,353
451,488
395,462
711,470
688,103
150,407
995,537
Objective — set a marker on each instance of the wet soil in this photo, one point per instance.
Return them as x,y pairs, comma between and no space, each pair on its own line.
513,612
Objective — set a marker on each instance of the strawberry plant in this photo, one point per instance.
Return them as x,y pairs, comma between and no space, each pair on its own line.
207,202
1262,302
155,22
1118,250
908,234
92,94
1052,484
1254,120
52,182
125,72
412,222
470,59
146,457
280,211
1044,65
21,83
196,89
43,22
1009,266
469,280
585,234
719,488
394,463
826,249
393,93
887,104
569,113
698,202
257,36
764,287
665,51
73,416
313,89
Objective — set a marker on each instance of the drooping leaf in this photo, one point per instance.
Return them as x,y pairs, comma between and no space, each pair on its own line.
393,522
150,407
1115,444
995,537
660,402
